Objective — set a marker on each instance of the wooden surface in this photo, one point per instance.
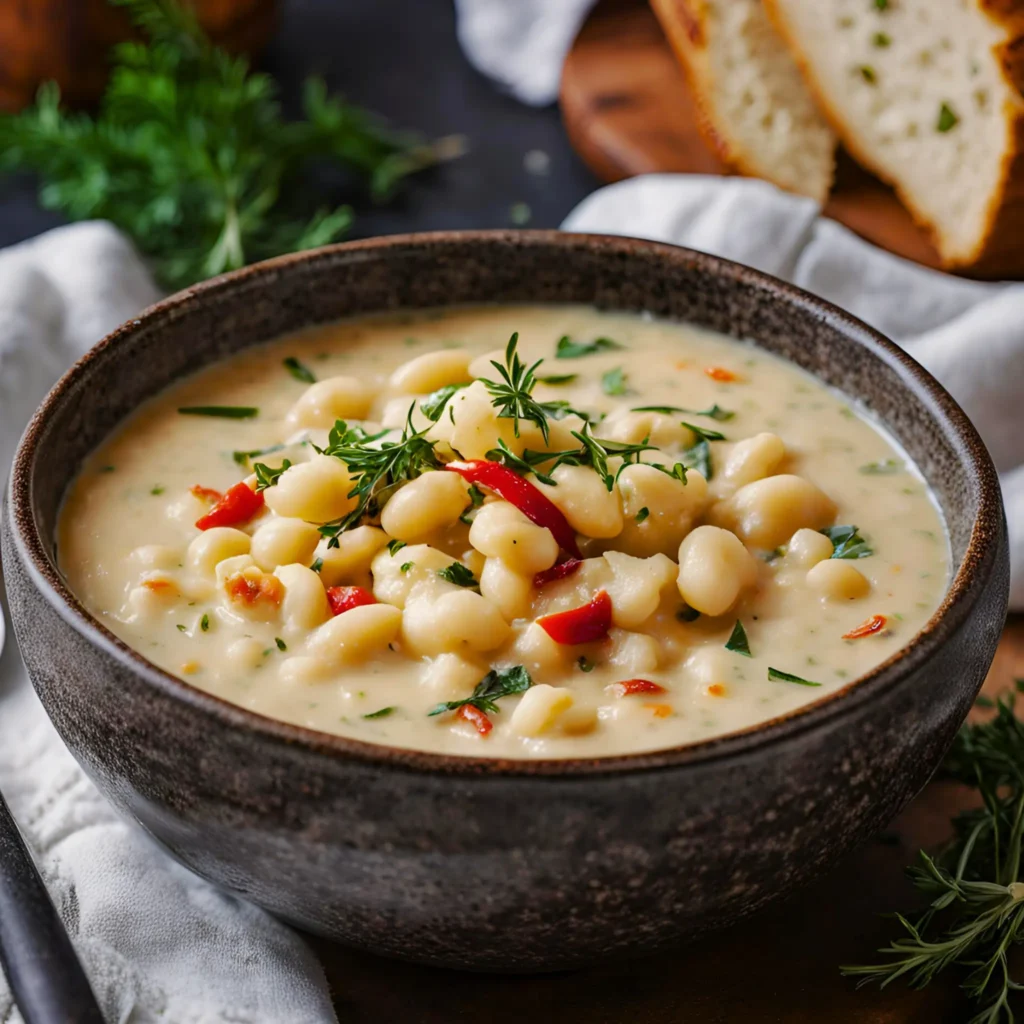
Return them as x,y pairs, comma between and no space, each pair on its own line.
781,966
628,111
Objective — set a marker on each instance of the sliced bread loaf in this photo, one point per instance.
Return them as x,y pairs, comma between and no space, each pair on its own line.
926,93
755,109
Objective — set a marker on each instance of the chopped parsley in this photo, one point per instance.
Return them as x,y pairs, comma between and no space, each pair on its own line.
614,382
267,477
459,574
585,664
881,5
868,74
698,456
642,514
382,713
281,645
883,468
107,469
476,498
394,546
847,542
180,628
569,349
157,490
204,623
881,40
737,642
227,412
434,404
489,690
406,566
298,371
777,676
318,564
947,119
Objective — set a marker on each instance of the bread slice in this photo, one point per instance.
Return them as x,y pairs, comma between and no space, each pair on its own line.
926,93
755,109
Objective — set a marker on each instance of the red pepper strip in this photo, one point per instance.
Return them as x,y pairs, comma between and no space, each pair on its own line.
580,625
206,493
238,505
631,686
874,625
476,718
521,493
556,572
344,599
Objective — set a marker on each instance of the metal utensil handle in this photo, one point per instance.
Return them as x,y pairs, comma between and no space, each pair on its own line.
46,979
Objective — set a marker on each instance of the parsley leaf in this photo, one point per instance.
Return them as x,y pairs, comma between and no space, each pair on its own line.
777,676
394,546
227,412
281,645
318,564
489,690
382,713
298,371
434,404
947,119
569,349
585,664
267,477
476,498
737,642
642,514
847,542
884,468
614,382
204,623
459,574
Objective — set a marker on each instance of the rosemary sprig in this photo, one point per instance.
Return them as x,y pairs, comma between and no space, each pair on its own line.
378,467
512,395
976,913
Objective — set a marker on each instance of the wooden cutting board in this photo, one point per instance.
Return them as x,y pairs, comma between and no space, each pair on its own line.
628,111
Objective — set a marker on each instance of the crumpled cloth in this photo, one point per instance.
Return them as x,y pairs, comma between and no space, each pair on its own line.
158,943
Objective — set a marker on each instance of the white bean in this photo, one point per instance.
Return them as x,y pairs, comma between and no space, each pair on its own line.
510,592
500,530
355,635
807,548
425,505
215,545
317,491
393,584
336,398
582,497
431,371
837,580
659,510
751,459
450,677
305,600
714,568
282,541
539,708
636,586
349,562
456,621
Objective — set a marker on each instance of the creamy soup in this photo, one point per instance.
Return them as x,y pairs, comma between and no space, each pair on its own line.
407,530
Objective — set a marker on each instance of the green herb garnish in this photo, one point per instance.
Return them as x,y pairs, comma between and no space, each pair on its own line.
281,645
476,499
881,5
777,676
687,614
737,642
190,156
883,468
868,74
157,490
405,567
847,542
569,349
394,546
266,476
642,514
613,382
298,371
976,913
227,412
947,119
716,412
434,404
459,574
318,564
512,395
377,469
489,690
180,628
382,713
242,458
558,378
585,664
204,623
881,40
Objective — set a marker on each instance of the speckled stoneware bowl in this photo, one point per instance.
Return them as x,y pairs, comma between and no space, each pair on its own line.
499,865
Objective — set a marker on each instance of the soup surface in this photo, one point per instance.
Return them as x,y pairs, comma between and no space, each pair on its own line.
655,536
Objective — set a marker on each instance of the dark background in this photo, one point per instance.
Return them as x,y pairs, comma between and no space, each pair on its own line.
401,59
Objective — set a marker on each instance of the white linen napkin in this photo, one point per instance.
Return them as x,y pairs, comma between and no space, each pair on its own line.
158,944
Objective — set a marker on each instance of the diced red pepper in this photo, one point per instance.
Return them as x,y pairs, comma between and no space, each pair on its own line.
251,590
476,718
237,505
557,572
873,625
206,493
628,687
537,507
344,599
580,625
720,373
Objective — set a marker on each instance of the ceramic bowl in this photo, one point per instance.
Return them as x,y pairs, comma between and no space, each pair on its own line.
491,864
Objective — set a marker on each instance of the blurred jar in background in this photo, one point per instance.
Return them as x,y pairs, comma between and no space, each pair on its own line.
68,41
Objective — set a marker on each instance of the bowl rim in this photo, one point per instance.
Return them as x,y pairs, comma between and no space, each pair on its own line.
963,591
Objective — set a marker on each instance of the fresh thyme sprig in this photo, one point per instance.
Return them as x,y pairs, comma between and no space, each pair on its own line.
189,153
976,914
378,469
513,394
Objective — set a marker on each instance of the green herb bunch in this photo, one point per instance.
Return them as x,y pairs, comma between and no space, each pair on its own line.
189,154
976,893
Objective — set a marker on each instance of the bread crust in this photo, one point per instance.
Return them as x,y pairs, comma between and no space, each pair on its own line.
684,23
999,250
